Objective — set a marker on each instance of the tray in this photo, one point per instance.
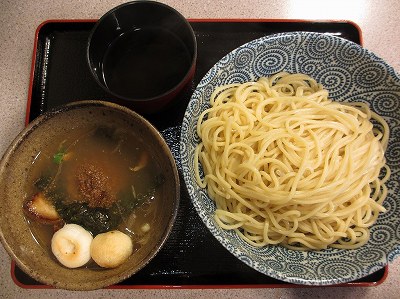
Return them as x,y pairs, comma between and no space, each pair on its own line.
191,257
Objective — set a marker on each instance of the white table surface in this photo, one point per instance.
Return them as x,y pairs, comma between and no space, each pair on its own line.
379,22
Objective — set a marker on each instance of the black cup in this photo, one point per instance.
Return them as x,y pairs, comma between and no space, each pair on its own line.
143,53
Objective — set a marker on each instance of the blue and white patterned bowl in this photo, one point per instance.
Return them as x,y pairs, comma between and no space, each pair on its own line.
350,73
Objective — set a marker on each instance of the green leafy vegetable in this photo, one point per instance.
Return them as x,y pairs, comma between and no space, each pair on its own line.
99,220
106,133
43,182
58,158
96,220
129,200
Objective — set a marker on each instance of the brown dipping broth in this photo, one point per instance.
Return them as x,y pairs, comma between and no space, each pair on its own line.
113,154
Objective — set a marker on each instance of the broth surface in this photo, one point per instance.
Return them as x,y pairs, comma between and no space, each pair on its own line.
145,63
97,171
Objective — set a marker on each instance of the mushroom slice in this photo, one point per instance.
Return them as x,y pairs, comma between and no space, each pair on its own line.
143,160
39,208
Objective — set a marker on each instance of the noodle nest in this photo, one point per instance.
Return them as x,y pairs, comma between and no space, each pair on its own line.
287,165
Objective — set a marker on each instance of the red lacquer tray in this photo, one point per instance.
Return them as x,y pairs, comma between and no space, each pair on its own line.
191,257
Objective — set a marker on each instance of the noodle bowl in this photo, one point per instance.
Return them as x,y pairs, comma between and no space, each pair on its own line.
286,165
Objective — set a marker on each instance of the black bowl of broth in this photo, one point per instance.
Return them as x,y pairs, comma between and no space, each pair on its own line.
143,54
101,166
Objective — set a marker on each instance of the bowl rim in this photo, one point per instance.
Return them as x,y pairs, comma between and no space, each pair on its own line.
108,280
